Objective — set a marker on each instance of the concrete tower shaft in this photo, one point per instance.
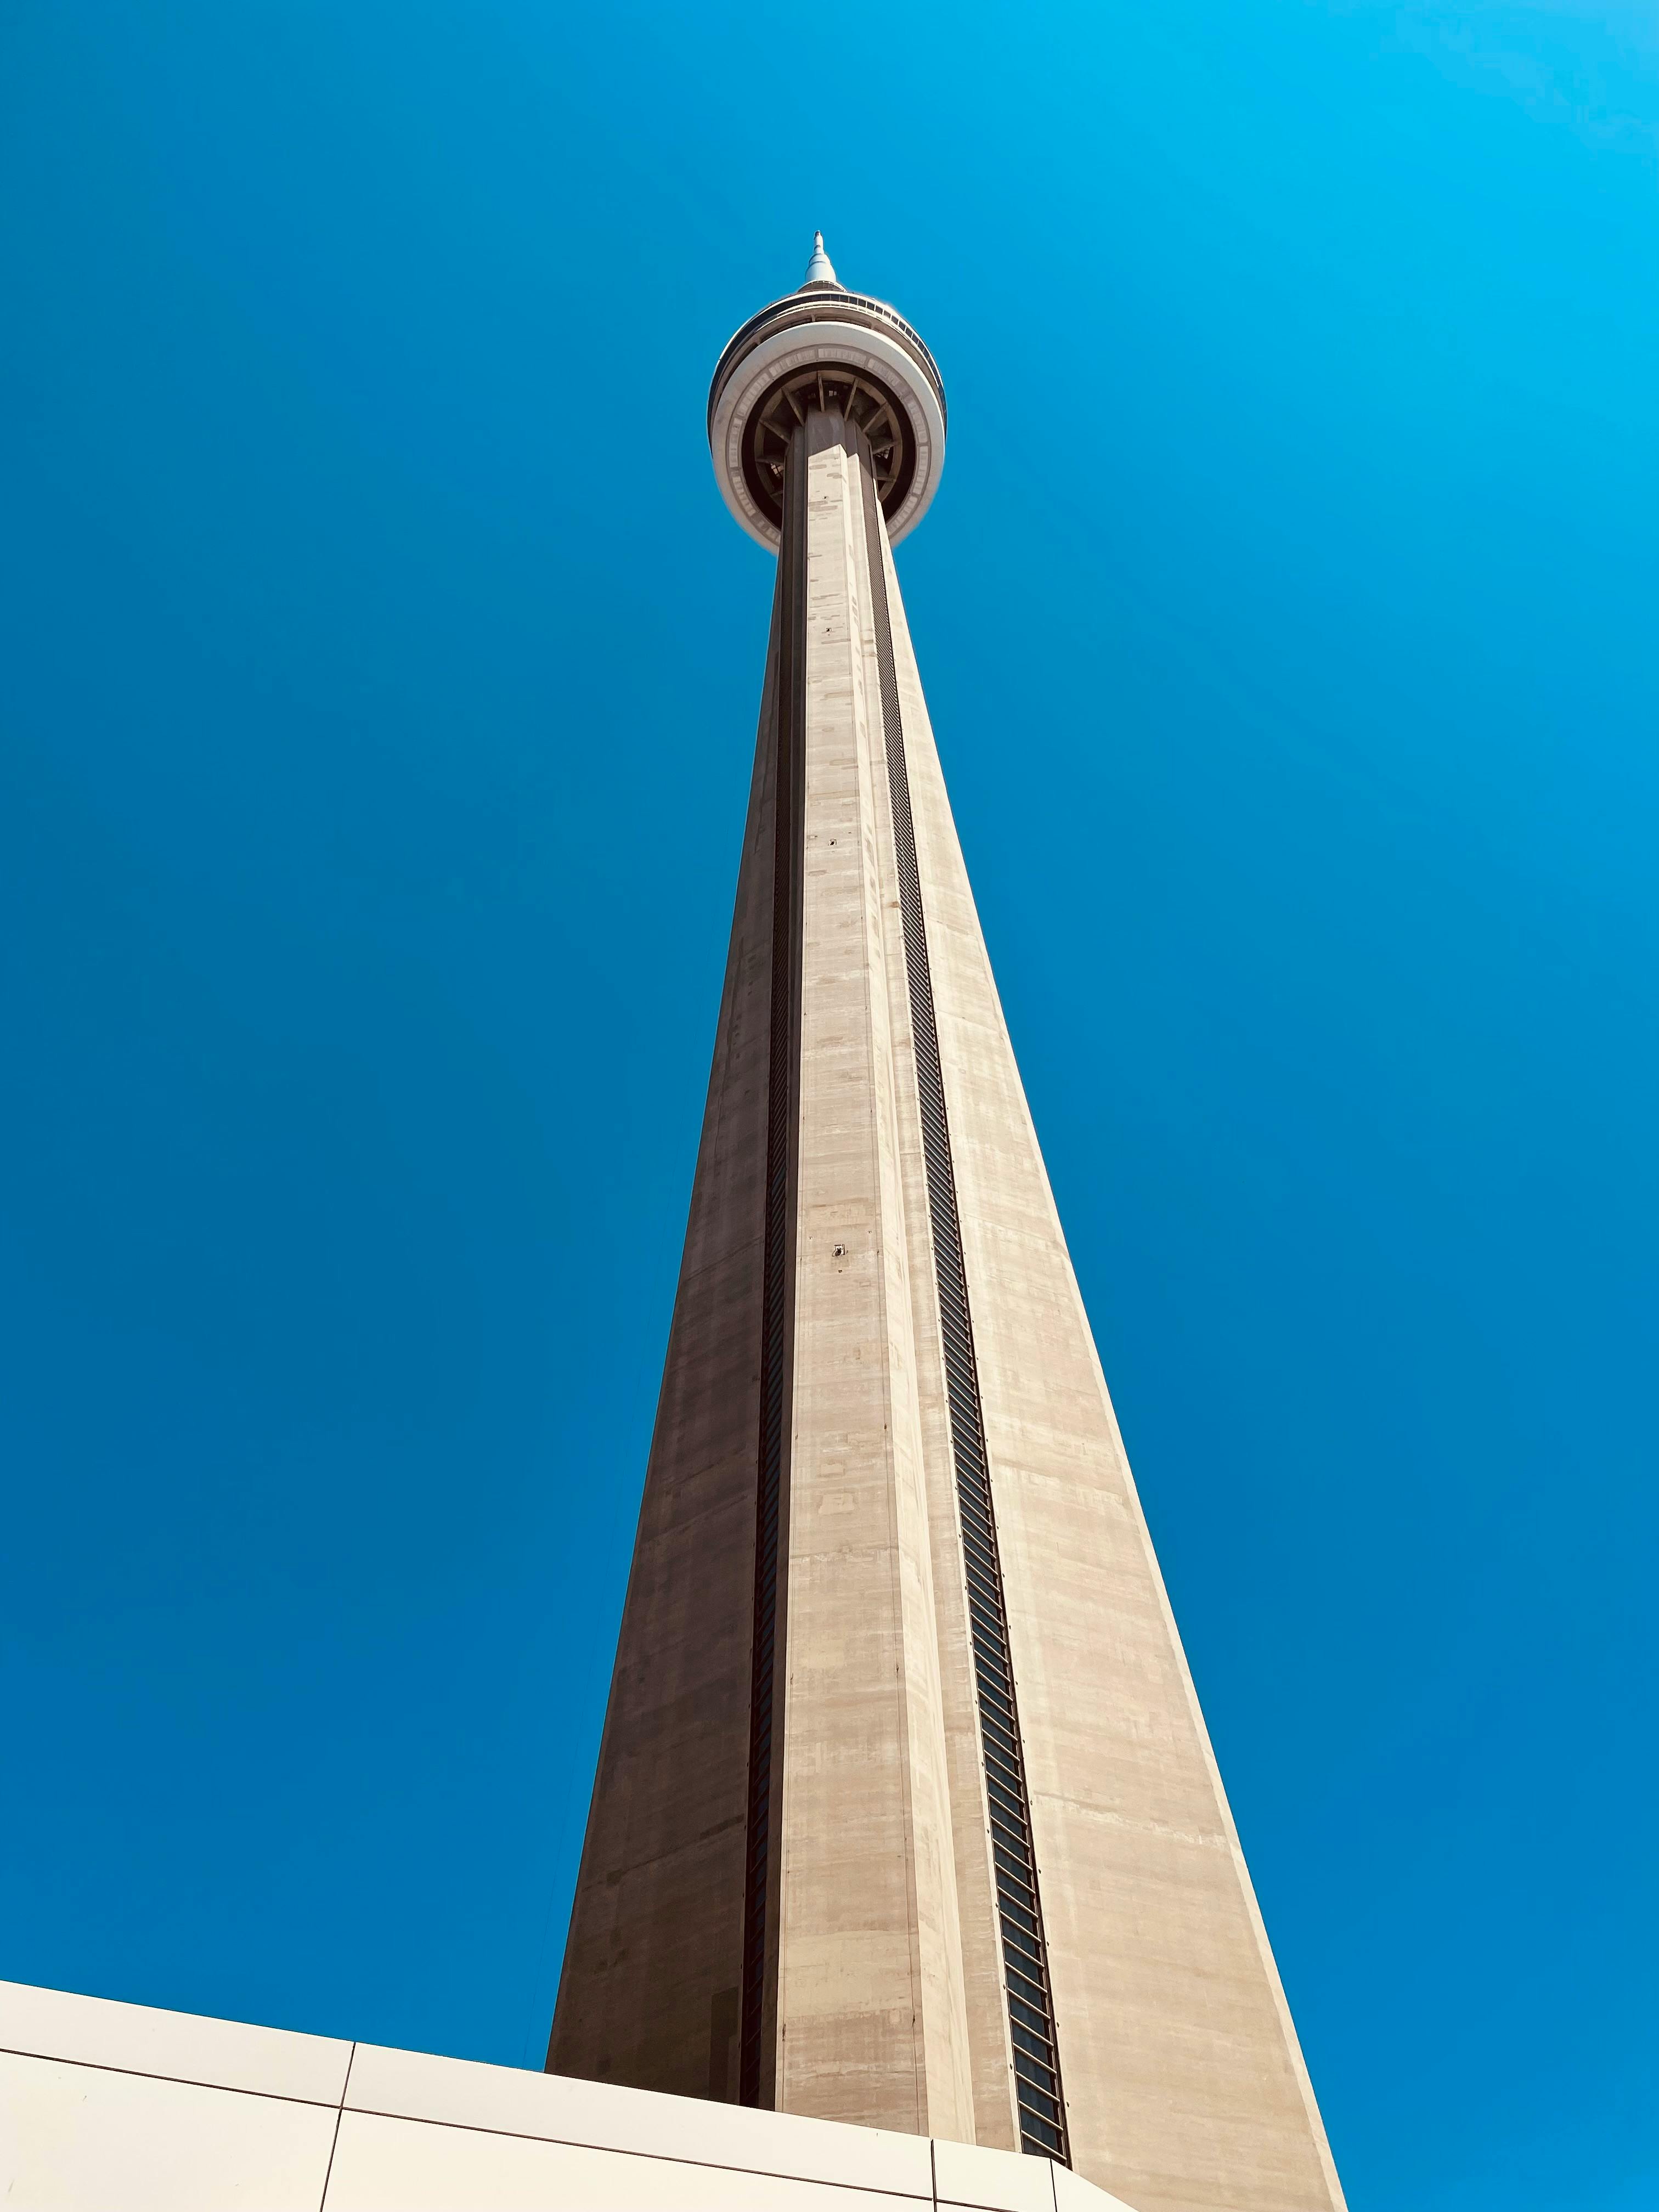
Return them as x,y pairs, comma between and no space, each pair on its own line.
906,1814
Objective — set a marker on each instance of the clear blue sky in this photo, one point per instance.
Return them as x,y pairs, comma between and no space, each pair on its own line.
378,674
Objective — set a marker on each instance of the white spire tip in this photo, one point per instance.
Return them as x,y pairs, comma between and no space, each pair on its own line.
819,269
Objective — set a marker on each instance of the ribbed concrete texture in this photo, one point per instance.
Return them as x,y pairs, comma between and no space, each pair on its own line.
906,1814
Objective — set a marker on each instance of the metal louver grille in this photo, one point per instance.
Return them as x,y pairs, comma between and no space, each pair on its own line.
775,1316
1024,1953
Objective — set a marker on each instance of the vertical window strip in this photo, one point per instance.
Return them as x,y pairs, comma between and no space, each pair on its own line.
758,1967
1024,1951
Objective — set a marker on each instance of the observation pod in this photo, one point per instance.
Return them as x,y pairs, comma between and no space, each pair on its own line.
822,346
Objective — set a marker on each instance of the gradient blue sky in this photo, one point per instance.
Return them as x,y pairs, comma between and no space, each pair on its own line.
380,669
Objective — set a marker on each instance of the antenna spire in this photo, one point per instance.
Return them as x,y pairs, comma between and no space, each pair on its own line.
820,270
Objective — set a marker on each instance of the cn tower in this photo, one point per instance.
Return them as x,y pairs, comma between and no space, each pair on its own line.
906,1814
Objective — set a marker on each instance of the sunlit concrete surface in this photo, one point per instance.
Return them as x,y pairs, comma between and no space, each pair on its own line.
119,2108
